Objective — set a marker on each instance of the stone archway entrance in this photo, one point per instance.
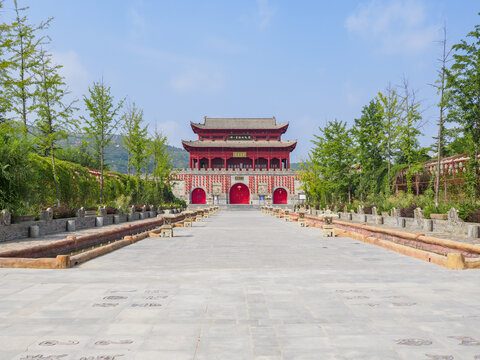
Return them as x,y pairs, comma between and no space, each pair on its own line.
239,194
199,196
280,196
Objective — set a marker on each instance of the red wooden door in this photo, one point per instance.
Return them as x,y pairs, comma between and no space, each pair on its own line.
239,194
199,196
280,196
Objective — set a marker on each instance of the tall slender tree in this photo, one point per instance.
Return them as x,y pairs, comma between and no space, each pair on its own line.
331,161
54,113
463,83
369,136
409,126
442,106
130,118
102,121
23,44
392,108
162,163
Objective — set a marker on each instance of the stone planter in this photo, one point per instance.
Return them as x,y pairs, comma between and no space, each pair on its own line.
22,218
438,216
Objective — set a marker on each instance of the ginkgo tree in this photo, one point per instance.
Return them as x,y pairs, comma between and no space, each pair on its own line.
102,122
54,112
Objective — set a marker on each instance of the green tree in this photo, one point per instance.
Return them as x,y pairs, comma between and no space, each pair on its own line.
54,114
369,138
23,46
139,149
392,108
442,105
5,103
331,162
130,118
463,83
101,122
162,163
14,166
408,145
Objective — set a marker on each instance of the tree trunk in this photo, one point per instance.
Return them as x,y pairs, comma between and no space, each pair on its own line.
440,121
101,175
128,162
57,190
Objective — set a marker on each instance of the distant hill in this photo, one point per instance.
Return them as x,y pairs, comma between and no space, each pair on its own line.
116,156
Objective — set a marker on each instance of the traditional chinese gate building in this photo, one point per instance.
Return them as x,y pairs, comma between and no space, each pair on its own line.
238,161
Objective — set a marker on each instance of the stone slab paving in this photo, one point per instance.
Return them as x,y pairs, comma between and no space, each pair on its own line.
242,285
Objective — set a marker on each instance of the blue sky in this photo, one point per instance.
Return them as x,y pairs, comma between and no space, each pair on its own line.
305,62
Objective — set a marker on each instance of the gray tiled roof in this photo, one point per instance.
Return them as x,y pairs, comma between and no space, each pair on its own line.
240,123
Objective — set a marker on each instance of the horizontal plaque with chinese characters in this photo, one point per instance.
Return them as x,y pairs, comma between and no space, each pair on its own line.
239,154
239,137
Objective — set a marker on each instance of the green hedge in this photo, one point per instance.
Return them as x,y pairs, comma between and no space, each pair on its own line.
79,188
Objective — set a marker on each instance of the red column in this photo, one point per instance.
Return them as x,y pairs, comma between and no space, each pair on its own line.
288,162
209,162
268,162
198,162
225,162
253,162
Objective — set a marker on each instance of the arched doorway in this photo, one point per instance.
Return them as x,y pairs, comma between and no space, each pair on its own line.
199,196
239,194
280,196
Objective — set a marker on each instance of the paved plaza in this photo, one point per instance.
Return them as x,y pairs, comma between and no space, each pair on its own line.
242,285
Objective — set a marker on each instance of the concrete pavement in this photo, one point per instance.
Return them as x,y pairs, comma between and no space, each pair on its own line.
242,285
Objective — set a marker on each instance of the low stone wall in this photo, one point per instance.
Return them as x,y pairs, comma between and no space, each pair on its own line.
458,228
54,226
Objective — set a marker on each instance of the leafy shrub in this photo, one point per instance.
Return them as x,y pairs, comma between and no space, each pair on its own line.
63,211
110,210
408,211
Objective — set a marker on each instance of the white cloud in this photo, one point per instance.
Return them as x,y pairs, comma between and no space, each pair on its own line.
76,75
397,26
198,78
265,13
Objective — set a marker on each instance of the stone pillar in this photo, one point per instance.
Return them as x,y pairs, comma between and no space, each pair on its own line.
99,221
427,225
70,225
34,231
474,231
81,212
5,217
